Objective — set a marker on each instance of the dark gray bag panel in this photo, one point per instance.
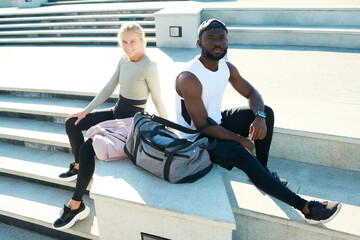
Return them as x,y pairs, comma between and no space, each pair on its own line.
160,151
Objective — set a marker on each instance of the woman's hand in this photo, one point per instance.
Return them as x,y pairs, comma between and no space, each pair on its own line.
78,115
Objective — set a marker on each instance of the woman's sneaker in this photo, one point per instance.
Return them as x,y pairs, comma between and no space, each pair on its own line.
322,212
70,175
69,217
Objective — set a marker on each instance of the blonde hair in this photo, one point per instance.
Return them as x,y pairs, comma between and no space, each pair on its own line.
131,27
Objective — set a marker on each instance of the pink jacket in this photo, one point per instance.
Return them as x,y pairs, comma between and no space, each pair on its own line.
109,138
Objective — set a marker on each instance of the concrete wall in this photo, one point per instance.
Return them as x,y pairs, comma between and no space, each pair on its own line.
8,3
187,19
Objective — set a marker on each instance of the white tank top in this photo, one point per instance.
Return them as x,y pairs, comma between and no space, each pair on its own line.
213,87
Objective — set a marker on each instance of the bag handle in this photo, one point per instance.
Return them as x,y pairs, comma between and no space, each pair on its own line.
176,126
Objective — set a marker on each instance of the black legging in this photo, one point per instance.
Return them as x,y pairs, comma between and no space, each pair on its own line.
230,154
83,151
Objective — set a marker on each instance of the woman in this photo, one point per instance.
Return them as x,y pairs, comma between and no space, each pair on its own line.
138,77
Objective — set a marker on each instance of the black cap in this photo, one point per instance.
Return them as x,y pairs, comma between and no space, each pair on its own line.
209,24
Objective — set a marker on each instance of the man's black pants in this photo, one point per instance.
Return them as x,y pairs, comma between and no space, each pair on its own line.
229,154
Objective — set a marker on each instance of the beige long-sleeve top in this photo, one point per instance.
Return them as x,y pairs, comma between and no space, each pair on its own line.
137,80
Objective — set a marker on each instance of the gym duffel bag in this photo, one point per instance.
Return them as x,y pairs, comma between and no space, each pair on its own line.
160,151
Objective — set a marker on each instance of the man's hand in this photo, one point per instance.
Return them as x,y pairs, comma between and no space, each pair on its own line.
246,143
78,115
258,129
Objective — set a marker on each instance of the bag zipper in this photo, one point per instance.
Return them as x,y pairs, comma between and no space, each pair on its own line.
166,152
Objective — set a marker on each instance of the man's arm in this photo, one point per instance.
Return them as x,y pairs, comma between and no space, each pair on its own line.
258,128
190,88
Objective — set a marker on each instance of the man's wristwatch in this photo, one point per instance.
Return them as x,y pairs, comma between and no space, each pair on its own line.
260,114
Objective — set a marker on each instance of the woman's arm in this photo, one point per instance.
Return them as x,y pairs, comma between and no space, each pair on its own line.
106,92
153,82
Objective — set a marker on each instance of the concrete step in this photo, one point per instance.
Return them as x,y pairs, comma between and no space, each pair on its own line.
34,134
259,216
62,25
68,40
301,16
49,109
17,233
340,37
316,148
35,165
310,147
84,17
67,2
89,10
54,93
67,32
40,205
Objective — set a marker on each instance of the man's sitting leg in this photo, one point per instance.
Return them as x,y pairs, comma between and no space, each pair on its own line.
238,120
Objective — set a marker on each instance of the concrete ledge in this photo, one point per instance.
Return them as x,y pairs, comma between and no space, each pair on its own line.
41,205
316,148
44,106
29,3
74,17
67,40
142,202
74,32
70,24
39,166
259,216
187,19
294,36
34,134
280,16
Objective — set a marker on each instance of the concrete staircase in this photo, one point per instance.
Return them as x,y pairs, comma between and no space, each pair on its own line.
34,149
76,27
315,27
66,2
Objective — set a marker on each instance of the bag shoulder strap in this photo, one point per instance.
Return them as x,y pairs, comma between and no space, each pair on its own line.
179,127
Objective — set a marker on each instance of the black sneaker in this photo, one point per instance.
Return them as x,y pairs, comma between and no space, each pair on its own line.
322,212
69,217
70,175
282,180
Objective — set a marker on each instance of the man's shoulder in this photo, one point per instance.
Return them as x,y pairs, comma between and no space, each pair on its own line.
186,76
229,64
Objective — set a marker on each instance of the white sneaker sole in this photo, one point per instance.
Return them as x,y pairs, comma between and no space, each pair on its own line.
80,216
312,221
69,179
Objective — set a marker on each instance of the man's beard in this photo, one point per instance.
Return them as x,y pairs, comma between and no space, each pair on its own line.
211,56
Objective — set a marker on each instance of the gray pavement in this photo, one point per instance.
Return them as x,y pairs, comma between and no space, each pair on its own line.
316,90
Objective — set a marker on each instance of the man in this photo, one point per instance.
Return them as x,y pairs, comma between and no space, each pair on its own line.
200,88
